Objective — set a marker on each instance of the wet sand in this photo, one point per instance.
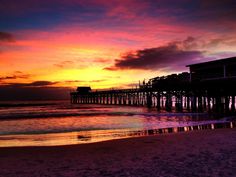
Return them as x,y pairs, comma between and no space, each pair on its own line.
196,153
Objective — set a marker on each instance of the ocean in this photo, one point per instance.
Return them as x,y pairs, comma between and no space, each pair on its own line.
51,123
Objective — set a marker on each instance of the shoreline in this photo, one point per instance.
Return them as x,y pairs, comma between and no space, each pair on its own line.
194,153
95,136
152,135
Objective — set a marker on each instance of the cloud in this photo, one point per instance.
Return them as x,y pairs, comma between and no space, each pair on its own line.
6,37
173,56
220,41
37,90
99,80
41,83
15,75
64,64
218,9
73,81
8,92
111,68
121,9
84,81
101,60
32,84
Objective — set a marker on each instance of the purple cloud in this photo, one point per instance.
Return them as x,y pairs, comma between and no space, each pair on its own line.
173,56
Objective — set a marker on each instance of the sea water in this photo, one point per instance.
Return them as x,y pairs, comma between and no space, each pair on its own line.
50,123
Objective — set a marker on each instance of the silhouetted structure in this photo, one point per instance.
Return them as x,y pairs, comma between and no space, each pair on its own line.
83,90
215,81
213,70
209,86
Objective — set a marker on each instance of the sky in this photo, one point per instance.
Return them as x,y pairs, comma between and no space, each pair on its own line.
48,48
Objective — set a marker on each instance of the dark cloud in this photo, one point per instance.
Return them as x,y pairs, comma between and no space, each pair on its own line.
205,10
101,80
101,60
189,43
173,56
33,84
6,37
111,68
8,92
37,90
218,9
41,83
37,84
214,15
73,81
15,75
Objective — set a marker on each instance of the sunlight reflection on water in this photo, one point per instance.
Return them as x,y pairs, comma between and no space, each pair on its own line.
60,124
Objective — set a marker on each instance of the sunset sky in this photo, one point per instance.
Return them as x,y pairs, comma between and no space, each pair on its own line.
57,45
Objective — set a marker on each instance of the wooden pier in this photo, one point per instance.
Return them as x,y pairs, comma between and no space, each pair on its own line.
209,86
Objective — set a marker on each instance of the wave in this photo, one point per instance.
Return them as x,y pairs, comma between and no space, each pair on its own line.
101,131
94,113
47,131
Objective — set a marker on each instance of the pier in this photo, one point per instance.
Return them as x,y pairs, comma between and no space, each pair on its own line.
208,86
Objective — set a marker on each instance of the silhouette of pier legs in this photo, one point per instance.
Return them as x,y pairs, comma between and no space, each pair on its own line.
161,100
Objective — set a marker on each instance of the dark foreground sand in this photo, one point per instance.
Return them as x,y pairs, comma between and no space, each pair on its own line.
199,153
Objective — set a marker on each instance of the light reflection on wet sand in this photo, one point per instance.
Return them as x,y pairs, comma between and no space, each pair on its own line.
92,136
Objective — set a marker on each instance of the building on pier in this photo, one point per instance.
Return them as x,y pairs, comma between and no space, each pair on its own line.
217,77
213,70
83,90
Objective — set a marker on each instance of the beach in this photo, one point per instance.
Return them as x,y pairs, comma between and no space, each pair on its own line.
196,153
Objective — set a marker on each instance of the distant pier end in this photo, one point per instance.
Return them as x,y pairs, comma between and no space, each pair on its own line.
74,96
208,86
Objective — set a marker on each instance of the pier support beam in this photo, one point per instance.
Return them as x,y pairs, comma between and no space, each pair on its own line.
158,102
168,102
179,102
200,107
149,100
188,102
226,107
194,103
233,104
